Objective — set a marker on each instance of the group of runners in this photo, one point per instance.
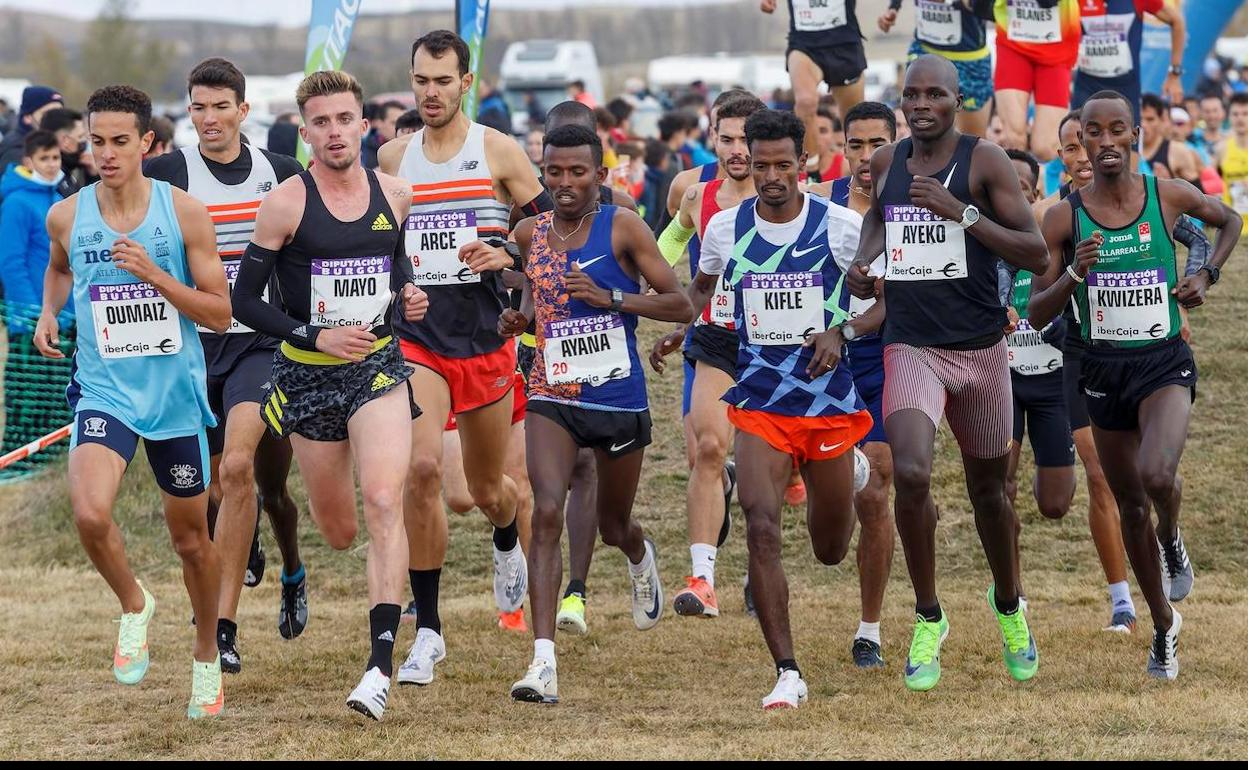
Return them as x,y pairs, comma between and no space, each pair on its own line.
377,315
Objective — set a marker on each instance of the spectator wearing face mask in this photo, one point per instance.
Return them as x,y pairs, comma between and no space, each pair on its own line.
36,100
71,136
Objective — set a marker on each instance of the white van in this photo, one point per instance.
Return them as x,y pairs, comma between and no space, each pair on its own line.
545,68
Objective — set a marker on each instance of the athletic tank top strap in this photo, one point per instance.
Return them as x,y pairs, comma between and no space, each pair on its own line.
1162,156
839,191
710,204
709,172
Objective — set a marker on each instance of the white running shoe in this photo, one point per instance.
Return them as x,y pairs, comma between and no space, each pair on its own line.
1163,656
647,593
862,470
511,579
789,692
539,685
427,651
369,696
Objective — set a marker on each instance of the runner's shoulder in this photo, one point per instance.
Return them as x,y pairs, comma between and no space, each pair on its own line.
61,215
391,153
503,146
287,197
170,167
395,188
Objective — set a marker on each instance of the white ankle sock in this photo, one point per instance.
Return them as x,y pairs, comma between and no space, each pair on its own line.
544,649
703,557
1120,596
868,631
647,562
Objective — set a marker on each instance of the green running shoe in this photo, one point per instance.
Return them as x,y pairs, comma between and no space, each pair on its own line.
571,617
1021,657
130,657
923,662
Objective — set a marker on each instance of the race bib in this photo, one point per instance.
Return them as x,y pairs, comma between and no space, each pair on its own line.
1239,196
922,246
433,241
350,291
938,23
782,308
1104,51
1029,353
723,304
818,15
231,276
1129,306
588,351
1029,23
133,319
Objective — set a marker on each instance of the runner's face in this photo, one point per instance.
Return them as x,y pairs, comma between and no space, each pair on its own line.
1026,181
573,179
334,127
1108,135
731,149
774,164
1152,124
117,146
862,139
1213,113
928,102
533,147
1239,118
438,86
825,139
217,116
1074,156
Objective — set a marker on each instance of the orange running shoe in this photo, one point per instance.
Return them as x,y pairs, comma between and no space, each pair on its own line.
513,621
697,600
795,494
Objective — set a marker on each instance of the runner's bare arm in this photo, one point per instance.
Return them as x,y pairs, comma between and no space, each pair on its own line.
390,154
512,168
1172,88
1014,235
680,185
666,301
58,280
871,242
1052,289
207,301
1182,197
690,205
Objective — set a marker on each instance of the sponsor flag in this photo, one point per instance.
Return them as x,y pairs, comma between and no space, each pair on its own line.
472,16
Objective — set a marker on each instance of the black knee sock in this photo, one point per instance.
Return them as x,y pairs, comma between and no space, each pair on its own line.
227,630
1003,608
788,664
930,614
575,587
505,538
425,592
383,624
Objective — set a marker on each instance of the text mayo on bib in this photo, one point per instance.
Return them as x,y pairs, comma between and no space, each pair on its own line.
350,291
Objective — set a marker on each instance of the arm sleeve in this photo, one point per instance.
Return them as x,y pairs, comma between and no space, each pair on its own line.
401,270
250,309
673,240
1198,247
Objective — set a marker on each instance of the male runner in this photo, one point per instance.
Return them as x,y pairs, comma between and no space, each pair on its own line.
1232,156
825,46
712,351
231,179
1138,372
465,178
584,262
784,254
1212,120
339,387
952,29
141,260
1109,50
942,253
1163,157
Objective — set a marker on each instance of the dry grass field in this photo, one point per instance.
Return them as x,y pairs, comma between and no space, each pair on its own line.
687,689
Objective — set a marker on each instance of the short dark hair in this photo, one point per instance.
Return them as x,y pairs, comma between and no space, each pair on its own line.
656,151
578,84
603,118
218,73
1075,115
438,42
572,135
410,119
1211,95
621,109
123,99
59,119
670,123
768,125
729,95
1239,98
824,111
741,107
163,128
36,141
388,105
1148,102
571,112
873,111
1028,159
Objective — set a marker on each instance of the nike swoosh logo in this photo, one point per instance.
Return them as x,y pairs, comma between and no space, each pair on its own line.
946,182
804,252
825,448
910,669
583,265
652,614
618,447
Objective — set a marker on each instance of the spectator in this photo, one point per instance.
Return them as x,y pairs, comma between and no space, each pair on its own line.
381,130
162,144
492,110
533,147
1213,116
606,123
36,100
1183,129
408,123
622,111
831,144
71,136
673,128
533,106
284,138
660,171
577,93
8,120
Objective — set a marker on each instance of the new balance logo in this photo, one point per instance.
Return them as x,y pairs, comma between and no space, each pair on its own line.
386,636
468,165
381,223
382,380
264,187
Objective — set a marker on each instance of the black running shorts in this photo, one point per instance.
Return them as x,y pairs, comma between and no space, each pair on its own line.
614,433
1117,380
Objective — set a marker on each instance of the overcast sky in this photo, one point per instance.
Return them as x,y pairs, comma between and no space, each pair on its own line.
291,12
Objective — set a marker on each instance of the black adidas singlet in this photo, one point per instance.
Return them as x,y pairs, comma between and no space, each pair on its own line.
823,24
941,282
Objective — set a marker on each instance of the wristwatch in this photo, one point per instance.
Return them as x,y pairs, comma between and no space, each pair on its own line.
970,215
513,250
848,333
1215,274
1176,69
617,300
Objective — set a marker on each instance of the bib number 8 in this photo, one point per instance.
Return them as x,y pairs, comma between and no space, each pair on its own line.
320,306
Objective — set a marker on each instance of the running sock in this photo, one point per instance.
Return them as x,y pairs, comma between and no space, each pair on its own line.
869,631
383,624
227,629
1120,595
930,614
576,587
425,592
788,664
505,538
1005,608
703,556
294,579
647,562
544,649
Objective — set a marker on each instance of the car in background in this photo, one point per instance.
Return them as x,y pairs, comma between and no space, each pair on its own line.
545,69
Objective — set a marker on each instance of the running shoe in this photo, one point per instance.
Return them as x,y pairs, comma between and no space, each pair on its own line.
571,617
130,658
730,472
207,696
697,599
539,685
227,652
255,561
409,614
1121,622
1176,568
789,692
292,616
1163,656
923,662
1019,649
370,695
513,621
647,592
428,650
867,654
511,579
795,495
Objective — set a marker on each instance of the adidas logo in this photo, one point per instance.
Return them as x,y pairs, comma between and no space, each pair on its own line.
382,380
386,636
381,223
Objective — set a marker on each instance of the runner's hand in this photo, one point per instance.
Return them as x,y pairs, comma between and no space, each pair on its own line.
1172,88
887,20
767,6
415,302
479,256
48,337
1191,290
512,323
1011,320
350,343
827,351
132,257
861,282
1087,253
666,345
936,198
582,287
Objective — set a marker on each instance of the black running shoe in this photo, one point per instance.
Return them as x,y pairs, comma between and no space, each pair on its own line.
730,470
231,661
255,561
867,654
292,617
